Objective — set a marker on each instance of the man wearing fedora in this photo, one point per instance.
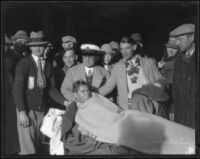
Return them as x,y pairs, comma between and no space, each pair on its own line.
139,83
19,40
185,79
87,71
34,81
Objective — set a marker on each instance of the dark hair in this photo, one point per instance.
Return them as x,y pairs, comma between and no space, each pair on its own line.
78,84
127,39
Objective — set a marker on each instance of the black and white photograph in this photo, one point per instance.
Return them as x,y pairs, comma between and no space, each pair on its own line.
100,79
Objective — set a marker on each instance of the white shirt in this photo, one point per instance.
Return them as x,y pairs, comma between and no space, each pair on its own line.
190,52
87,70
36,60
140,80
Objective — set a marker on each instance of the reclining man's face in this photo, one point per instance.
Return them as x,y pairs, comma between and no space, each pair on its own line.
83,94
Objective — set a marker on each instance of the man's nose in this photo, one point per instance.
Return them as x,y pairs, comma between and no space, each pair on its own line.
177,42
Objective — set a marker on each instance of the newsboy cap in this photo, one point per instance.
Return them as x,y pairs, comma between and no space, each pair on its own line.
182,30
90,49
67,39
20,34
37,38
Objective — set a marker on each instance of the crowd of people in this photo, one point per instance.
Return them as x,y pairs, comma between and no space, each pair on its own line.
37,79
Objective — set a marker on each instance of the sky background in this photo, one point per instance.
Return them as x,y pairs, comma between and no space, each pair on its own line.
100,22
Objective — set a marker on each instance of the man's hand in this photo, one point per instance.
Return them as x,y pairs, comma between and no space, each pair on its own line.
161,64
66,103
24,119
157,85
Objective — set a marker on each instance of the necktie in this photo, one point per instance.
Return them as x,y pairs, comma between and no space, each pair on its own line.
89,77
40,78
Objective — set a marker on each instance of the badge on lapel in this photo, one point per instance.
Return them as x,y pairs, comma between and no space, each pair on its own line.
31,81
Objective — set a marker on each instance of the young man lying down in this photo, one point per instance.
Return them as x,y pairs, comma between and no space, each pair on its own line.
103,128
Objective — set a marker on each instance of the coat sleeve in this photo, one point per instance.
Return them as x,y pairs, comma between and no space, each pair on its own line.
20,85
110,83
156,73
53,92
67,86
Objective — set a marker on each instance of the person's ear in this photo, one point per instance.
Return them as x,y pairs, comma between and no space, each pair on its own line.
191,37
134,47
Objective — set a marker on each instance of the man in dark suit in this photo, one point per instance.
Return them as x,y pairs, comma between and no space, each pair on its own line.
185,77
34,81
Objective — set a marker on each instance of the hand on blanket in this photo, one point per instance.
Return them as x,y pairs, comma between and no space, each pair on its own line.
66,103
157,85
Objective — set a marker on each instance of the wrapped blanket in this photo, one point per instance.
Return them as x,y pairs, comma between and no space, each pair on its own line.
140,131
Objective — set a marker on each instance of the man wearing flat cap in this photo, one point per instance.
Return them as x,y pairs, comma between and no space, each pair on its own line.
87,71
185,80
34,81
68,43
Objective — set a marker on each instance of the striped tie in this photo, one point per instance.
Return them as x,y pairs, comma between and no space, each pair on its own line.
40,78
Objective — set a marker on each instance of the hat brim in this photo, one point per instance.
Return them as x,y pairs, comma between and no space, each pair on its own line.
13,38
92,52
108,52
37,43
177,35
172,46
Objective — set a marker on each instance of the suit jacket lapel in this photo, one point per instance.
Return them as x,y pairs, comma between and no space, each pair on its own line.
33,64
123,76
82,72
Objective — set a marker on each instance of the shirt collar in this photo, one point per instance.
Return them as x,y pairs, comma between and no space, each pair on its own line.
35,57
87,69
36,60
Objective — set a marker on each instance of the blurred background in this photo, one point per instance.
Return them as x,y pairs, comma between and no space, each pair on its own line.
100,22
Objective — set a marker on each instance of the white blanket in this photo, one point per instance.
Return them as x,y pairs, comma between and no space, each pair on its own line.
141,131
51,127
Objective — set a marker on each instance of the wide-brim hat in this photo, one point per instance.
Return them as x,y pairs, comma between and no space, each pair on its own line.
91,49
8,41
20,34
107,48
37,38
